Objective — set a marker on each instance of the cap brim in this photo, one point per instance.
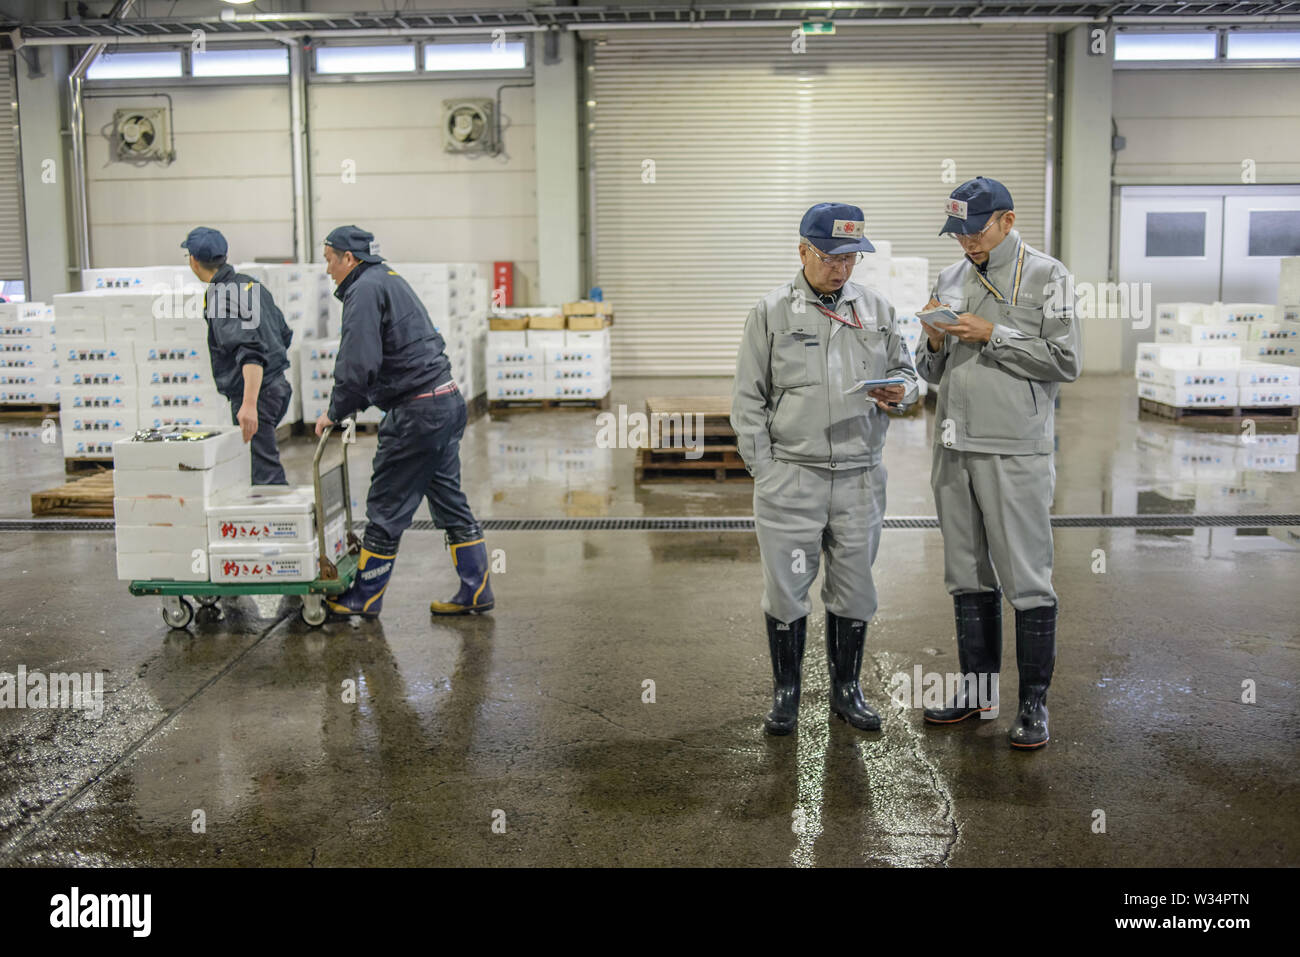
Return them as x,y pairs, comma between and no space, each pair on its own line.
973,223
838,245
367,258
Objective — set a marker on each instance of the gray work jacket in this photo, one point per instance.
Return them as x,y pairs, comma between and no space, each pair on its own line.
999,396
795,364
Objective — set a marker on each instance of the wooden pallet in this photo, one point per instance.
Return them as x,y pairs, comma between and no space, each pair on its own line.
507,406
29,411
90,463
664,466
89,497
667,411
1264,414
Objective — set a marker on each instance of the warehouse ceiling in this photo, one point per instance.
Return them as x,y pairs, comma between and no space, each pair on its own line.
232,25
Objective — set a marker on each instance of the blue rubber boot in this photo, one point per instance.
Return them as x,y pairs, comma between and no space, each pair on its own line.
469,555
366,596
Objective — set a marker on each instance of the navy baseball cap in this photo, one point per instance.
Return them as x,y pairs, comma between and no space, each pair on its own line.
205,244
355,240
972,203
836,228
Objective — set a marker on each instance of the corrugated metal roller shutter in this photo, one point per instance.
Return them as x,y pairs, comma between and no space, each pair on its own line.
745,135
13,246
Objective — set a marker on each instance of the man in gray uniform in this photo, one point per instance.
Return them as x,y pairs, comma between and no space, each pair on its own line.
998,367
814,452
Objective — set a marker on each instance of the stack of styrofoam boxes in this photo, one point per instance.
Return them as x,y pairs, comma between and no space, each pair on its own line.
296,289
575,362
1268,384
135,278
317,358
161,491
476,329
268,533
453,297
1188,376
98,397
1252,329
514,368
876,271
29,364
909,291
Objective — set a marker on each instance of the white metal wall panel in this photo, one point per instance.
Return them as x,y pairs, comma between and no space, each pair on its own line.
745,135
424,204
13,247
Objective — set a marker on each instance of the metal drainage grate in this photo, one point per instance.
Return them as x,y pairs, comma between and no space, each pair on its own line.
734,524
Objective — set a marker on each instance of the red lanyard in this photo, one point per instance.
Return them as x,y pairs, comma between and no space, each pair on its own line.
856,323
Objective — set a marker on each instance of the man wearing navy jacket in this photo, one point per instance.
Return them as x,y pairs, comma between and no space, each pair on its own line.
390,356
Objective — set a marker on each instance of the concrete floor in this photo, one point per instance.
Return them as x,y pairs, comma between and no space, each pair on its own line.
534,717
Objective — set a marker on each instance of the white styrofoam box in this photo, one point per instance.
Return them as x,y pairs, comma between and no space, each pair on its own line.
198,484
1189,396
585,372
575,390
576,354
320,352
139,329
100,421
43,349
1270,395
369,416
1224,312
33,327
1184,313
1272,350
163,566
909,282
91,445
175,376
1267,374
513,390
134,278
180,418
530,372
1150,372
74,354
184,353
267,513
543,339
1289,312
1265,460
42,395
226,443
1169,355
18,312
250,562
481,299
100,374
317,376
507,340
180,330
1207,334
109,399
156,400
1274,330
157,537
171,509
589,340
29,378
512,357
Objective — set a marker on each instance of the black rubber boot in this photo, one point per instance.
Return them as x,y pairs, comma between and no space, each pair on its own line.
845,639
979,651
786,643
1036,657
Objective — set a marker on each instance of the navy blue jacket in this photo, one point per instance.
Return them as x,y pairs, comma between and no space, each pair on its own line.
244,326
389,349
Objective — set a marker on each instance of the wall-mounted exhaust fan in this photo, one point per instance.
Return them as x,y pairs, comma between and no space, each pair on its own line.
142,134
468,126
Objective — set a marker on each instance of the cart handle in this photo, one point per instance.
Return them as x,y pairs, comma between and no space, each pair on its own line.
328,570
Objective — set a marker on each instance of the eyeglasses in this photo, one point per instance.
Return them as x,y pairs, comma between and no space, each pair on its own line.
975,237
848,259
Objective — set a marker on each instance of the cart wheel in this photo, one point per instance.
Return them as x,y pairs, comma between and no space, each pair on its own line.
207,601
313,610
177,612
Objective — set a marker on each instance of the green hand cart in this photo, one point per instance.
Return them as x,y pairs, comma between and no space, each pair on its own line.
333,494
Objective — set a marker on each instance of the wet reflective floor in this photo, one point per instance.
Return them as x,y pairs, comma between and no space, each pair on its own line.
609,711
